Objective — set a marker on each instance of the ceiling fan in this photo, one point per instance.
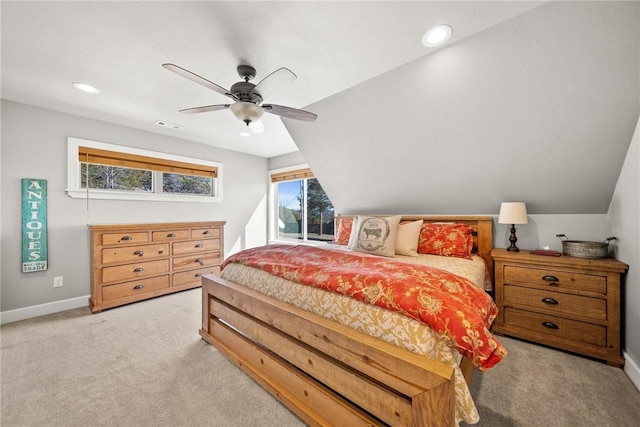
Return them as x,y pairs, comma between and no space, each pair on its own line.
248,105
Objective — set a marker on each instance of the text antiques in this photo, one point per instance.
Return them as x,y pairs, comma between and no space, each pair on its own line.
34,225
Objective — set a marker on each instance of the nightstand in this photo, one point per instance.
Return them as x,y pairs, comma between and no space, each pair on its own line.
564,302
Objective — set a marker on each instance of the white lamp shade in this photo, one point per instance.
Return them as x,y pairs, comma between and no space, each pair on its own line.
246,111
513,213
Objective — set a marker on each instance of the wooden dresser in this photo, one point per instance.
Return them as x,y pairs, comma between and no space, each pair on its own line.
564,302
133,262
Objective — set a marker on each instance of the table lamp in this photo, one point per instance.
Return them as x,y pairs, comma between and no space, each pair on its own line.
513,213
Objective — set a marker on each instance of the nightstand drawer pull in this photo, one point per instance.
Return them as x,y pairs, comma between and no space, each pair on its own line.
139,253
206,233
550,301
550,325
138,270
199,245
197,275
136,287
170,235
126,238
550,279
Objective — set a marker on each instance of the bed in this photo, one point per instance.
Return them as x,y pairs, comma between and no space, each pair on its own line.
325,369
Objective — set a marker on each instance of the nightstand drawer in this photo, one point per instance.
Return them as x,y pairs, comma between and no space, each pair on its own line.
557,327
556,302
555,278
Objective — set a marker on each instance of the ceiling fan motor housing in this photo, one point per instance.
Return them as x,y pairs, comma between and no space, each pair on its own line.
244,92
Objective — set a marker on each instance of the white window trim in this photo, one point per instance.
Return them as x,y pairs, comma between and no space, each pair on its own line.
74,185
273,209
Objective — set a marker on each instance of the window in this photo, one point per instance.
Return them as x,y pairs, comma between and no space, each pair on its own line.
302,208
105,171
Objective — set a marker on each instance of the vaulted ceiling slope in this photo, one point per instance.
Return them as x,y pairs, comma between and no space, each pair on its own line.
540,108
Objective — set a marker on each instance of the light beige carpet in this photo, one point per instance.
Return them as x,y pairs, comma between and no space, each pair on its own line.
145,365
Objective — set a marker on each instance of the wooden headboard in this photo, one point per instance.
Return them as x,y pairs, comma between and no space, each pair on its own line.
482,225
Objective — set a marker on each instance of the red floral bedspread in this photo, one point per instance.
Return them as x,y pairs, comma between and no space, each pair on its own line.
452,305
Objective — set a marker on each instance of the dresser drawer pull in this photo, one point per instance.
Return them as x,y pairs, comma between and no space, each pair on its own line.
550,301
550,325
170,235
126,238
137,287
139,253
199,245
552,279
206,233
198,260
198,275
138,270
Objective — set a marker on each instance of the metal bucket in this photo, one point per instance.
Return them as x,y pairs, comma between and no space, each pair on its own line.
585,249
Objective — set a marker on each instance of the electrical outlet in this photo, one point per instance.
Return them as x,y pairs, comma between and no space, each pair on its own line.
57,282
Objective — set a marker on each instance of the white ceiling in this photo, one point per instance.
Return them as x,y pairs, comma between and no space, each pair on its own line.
119,47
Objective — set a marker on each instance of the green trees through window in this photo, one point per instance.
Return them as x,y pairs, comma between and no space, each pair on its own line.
304,211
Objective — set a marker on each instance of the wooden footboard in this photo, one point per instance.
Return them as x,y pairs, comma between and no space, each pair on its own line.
326,373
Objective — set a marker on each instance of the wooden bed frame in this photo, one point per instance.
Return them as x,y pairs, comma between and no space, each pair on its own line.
326,373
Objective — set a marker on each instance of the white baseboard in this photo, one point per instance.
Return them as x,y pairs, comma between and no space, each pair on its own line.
42,309
632,370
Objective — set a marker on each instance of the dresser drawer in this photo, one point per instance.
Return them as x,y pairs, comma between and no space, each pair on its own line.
169,235
193,277
555,279
557,302
135,287
198,260
557,327
205,233
132,271
124,237
196,246
134,253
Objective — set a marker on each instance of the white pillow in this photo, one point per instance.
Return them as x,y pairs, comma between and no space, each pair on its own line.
376,236
408,237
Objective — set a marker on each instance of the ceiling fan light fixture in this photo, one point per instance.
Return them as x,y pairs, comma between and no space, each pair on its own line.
437,35
246,111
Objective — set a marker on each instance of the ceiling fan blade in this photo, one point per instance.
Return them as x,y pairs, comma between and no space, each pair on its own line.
200,80
291,113
205,109
275,82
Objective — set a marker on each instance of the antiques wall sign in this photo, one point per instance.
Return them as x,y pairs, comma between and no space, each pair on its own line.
34,225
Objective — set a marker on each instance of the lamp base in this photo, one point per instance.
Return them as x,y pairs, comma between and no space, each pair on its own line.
513,239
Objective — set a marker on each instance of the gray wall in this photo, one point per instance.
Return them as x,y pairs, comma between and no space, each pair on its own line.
34,145
624,223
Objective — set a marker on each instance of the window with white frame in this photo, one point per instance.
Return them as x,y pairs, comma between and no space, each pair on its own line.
106,171
303,210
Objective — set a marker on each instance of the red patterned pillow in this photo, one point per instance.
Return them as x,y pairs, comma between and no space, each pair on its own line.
446,240
343,231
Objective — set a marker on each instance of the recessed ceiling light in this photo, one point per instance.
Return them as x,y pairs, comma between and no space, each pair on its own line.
86,88
437,35
244,134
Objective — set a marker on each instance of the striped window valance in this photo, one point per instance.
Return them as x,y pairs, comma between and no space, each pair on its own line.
292,175
126,160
